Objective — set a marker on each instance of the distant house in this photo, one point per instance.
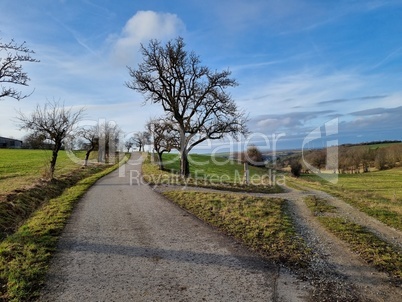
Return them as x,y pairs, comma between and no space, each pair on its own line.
10,143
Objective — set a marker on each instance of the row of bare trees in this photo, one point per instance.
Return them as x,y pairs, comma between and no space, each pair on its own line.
53,125
194,98
350,159
56,127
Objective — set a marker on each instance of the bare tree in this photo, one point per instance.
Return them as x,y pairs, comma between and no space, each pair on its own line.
55,122
34,141
193,95
141,139
109,133
165,137
91,137
11,72
129,143
253,156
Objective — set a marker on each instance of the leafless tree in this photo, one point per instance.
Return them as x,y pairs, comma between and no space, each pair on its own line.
193,95
141,139
129,143
34,141
165,137
55,122
109,133
91,136
253,156
11,72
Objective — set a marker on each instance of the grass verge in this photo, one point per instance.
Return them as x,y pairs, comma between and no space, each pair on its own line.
367,245
24,255
261,223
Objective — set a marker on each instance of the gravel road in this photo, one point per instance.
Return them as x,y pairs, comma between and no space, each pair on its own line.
125,242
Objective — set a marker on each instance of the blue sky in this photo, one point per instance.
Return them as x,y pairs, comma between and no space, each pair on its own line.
300,64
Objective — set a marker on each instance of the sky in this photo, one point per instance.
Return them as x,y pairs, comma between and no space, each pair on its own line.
331,68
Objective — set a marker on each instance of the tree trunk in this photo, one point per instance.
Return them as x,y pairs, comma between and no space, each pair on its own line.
53,161
86,157
184,165
160,160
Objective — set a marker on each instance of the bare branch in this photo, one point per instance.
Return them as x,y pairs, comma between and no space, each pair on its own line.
194,97
11,71
54,122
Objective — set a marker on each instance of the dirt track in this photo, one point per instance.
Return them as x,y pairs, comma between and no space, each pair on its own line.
336,273
126,243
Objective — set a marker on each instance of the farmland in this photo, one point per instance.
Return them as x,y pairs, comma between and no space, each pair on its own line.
22,168
219,172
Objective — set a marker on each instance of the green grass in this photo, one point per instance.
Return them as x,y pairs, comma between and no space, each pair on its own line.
208,171
21,168
368,246
378,194
319,206
25,255
261,223
209,167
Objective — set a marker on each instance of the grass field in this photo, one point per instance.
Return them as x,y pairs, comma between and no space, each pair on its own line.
20,168
206,166
24,187
378,194
206,171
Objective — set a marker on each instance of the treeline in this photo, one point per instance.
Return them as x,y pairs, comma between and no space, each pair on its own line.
373,143
347,159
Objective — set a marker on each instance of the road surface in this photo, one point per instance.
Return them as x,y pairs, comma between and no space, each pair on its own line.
125,242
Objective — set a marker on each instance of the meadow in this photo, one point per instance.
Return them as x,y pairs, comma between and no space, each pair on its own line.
21,168
378,194
219,172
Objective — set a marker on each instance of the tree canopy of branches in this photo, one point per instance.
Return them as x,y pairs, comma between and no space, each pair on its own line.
34,141
129,143
91,137
253,156
165,137
11,72
53,121
141,139
192,95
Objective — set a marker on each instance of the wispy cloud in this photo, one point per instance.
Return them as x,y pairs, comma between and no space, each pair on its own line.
338,101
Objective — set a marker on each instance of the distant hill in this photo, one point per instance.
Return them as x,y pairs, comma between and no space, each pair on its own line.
385,142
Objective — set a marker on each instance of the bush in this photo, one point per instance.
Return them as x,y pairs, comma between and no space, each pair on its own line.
295,168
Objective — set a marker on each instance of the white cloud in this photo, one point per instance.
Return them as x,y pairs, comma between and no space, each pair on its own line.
142,27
